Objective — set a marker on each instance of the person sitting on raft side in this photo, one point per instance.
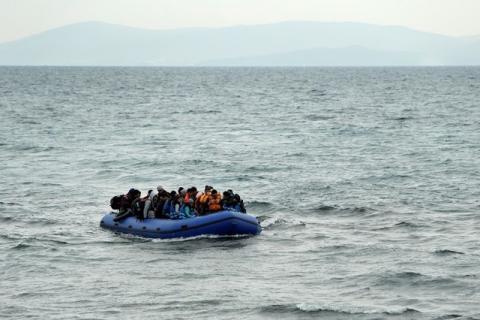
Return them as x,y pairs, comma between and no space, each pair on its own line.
238,202
228,201
214,200
125,203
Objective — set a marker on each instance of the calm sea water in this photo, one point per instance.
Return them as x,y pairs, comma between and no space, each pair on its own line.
366,181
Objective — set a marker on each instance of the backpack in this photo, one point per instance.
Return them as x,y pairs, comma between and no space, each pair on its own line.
115,202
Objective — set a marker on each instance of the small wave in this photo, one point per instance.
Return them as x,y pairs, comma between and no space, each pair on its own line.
444,252
414,279
344,210
360,209
27,294
408,275
6,219
279,223
356,209
274,223
314,117
401,224
9,203
325,208
259,204
197,162
262,218
265,169
346,310
402,118
29,122
318,92
21,246
406,224
448,316
195,111
296,155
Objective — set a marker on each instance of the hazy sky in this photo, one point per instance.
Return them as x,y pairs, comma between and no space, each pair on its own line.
19,18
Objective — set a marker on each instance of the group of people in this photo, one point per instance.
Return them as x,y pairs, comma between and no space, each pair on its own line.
181,204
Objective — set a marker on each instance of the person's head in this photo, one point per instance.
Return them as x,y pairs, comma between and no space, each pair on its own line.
208,188
173,193
194,189
160,188
133,193
214,192
236,197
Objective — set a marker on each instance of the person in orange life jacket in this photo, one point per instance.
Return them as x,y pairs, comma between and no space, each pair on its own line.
201,201
214,201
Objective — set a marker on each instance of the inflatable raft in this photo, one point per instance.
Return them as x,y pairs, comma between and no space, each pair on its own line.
223,223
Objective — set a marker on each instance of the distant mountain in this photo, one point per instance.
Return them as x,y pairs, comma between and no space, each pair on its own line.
282,44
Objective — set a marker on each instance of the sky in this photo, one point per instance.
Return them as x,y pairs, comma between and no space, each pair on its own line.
20,18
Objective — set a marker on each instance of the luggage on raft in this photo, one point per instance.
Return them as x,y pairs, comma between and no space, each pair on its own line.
223,223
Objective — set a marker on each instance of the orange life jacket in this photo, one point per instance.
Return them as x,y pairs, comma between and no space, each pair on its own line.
214,202
204,198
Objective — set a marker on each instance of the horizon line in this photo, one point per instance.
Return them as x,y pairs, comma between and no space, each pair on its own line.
238,67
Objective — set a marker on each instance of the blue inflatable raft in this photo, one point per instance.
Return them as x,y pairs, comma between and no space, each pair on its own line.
223,223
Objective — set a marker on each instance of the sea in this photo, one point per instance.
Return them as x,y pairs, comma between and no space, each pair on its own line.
366,182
